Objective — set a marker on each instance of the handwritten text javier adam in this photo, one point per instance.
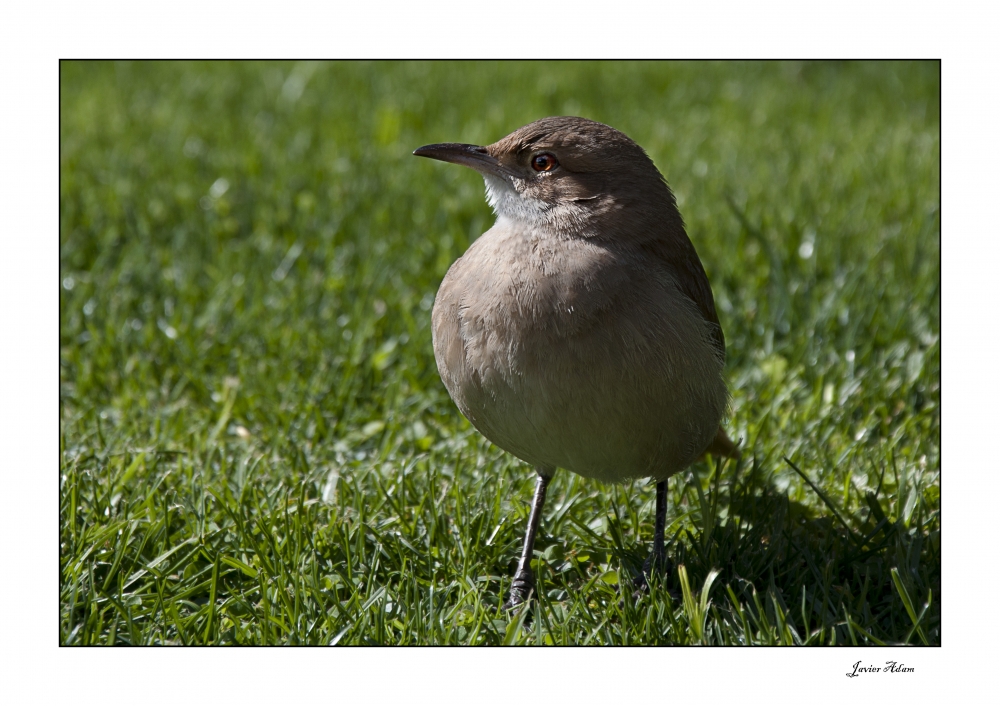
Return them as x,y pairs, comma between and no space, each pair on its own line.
889,668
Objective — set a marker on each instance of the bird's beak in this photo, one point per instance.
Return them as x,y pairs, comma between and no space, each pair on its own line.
472,156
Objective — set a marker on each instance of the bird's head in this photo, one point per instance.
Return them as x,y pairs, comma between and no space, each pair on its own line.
566,171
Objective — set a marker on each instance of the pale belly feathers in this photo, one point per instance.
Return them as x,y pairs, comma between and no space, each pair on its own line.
529,350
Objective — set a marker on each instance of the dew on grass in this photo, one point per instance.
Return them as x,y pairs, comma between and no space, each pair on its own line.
168,330
219,187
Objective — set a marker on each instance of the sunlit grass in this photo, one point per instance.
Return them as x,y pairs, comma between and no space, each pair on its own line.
256,448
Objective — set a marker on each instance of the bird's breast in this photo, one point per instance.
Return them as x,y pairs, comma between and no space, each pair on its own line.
569,354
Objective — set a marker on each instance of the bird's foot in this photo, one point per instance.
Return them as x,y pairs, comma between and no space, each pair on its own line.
521,589
657,564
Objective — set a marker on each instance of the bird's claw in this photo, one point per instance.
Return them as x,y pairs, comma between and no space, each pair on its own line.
521,589
656,563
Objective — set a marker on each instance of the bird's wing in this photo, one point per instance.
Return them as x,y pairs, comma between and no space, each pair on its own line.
679,255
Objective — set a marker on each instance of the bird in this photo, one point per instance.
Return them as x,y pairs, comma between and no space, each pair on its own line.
580,331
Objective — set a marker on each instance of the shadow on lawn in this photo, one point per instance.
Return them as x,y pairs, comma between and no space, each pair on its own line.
778,570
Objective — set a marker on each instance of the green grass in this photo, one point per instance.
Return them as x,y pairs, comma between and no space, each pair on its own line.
256,447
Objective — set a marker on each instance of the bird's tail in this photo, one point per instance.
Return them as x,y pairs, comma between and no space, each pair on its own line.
722,445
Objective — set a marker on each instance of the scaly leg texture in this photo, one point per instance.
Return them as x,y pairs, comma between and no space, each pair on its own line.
524,579
657,560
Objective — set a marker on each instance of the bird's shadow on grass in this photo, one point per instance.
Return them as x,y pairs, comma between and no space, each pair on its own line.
823,575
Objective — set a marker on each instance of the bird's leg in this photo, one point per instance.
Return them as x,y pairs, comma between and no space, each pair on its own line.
524,579
657,560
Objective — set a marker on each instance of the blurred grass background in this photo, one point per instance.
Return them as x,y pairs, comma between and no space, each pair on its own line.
255,445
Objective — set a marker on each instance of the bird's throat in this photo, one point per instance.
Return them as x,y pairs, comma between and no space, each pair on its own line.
508,203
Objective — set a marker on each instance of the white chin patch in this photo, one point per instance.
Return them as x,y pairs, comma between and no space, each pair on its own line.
506,202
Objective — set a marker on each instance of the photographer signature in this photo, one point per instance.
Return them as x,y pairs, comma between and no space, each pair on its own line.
889,668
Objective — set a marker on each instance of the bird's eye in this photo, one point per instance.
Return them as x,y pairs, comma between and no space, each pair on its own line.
544,162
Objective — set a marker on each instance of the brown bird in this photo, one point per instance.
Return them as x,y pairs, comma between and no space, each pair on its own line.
580,331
